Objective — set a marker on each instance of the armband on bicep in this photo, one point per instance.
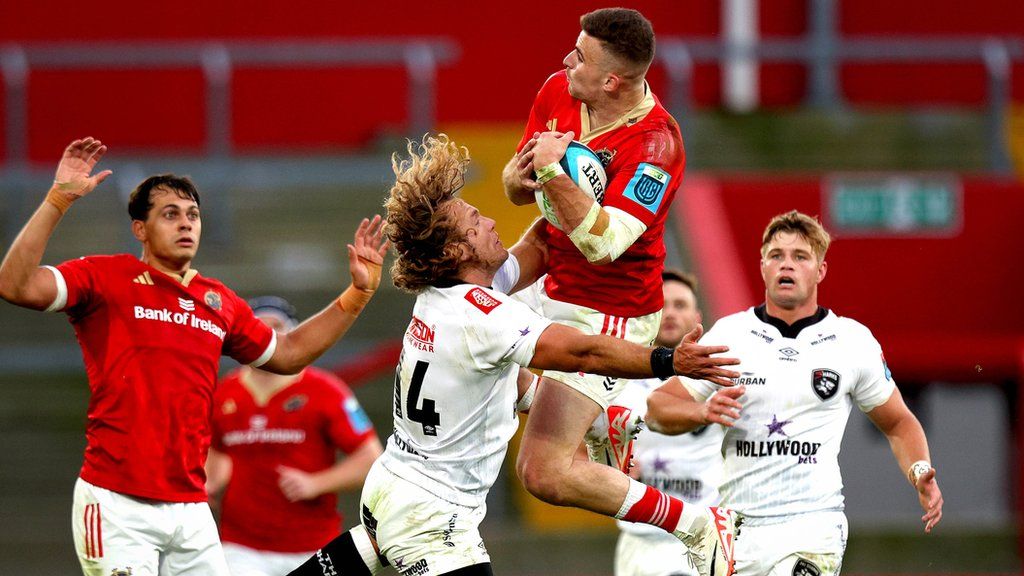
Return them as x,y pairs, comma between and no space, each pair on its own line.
606,233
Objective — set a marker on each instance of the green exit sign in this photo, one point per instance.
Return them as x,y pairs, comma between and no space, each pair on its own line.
894,205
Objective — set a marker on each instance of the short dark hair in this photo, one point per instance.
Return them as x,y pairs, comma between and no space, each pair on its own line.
139,202
623,32
685,278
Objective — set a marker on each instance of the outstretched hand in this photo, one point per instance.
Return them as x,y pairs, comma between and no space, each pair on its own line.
694,361
366,254
930,496
74,178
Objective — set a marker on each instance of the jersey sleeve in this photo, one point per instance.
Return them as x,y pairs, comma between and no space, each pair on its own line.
501,330
640,185
77,284
874,385
249,340
348,425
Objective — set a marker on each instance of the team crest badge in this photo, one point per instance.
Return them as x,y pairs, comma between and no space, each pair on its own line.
212,300
229,407
295,402
121,572
605,156
825,383
803,567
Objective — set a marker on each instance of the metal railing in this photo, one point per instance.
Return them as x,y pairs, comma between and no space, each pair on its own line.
420,58
823,54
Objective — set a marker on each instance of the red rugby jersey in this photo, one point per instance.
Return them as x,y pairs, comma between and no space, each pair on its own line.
152,346
302,426
644,158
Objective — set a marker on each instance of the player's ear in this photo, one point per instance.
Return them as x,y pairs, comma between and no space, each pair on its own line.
822,270
139,230
612,82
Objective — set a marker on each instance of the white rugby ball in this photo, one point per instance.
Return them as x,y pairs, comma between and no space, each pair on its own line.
584,167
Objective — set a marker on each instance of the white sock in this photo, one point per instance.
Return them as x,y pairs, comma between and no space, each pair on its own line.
633,495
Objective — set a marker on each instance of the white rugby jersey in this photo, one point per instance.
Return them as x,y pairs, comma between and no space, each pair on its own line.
782,456
687,466
455,390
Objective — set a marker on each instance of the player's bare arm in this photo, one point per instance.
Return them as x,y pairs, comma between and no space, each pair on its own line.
22,281
532,253
671,409
218,474
567,349
518,177
346,474
910,447
301,346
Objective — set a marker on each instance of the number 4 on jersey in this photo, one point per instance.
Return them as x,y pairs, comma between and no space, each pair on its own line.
427,416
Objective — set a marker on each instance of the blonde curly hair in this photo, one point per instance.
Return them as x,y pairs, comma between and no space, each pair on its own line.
419,223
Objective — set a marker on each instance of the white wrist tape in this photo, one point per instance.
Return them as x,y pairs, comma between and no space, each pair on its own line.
918,469
621,232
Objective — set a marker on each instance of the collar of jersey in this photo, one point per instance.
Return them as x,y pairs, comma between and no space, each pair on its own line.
790,330
629,118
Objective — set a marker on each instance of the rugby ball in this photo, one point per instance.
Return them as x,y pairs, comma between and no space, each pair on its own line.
584,167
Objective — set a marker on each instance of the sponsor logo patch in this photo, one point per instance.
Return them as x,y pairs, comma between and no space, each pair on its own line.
482,300
824,382
885,367
647,187
420,336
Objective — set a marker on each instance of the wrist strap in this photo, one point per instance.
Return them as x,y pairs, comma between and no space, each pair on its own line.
58,199
548,173
353,300
661,363
918,469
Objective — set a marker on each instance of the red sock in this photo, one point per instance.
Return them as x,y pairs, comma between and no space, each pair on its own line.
657,508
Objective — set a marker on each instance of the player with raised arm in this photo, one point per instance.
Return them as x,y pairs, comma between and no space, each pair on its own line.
152,331
804,368
276,440
458,386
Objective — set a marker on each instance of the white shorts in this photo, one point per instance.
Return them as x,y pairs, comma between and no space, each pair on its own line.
245,561
655,554
805,545
640,330
415,530
120,535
